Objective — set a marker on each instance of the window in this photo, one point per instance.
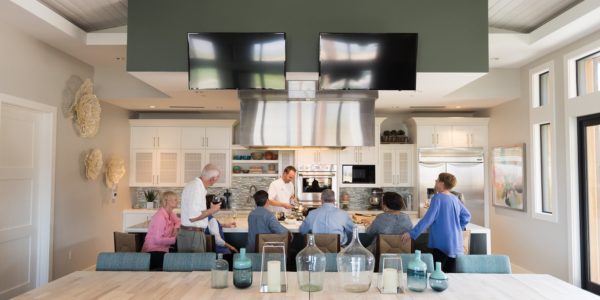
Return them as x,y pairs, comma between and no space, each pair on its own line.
545,156
543,88
588,74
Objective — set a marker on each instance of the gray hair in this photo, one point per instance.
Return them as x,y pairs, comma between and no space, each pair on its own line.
209,172
328,196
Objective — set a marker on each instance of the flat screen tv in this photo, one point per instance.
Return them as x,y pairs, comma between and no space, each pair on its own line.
368,61
236,61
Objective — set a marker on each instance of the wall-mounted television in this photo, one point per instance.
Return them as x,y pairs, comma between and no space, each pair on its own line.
236,61
368,61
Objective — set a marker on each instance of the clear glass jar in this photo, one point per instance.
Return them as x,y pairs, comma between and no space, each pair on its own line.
310,267
417,273
242,270
219,273
355,265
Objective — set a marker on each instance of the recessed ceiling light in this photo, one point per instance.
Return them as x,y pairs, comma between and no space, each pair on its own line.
458,106
152,106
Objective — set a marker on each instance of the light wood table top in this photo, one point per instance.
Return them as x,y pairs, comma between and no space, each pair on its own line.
196,285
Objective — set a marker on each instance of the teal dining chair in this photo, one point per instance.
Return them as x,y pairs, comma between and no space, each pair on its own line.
427,258
188,262
331,262
498,264
123,261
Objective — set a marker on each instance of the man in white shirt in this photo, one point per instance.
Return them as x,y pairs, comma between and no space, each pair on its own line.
194,214
281,191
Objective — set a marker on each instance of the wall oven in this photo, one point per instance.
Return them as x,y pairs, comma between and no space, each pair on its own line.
312,180
358,174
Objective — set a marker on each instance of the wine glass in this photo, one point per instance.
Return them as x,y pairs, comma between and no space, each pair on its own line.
234,216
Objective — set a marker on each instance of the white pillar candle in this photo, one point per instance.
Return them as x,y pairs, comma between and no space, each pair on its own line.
274,275
390,280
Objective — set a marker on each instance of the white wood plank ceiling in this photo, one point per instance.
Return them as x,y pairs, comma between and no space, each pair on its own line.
525,15
91,15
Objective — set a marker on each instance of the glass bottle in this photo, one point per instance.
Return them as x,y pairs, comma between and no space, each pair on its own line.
438,280
242,270
310,266
219,273
355,265
417,273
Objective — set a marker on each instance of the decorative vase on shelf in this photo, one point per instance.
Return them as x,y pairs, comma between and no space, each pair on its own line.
355,265
438,281
219,273
242,270
310,266
417,273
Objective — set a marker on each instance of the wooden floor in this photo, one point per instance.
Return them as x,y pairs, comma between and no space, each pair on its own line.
196,285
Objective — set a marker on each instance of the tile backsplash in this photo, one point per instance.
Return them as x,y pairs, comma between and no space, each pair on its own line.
359,197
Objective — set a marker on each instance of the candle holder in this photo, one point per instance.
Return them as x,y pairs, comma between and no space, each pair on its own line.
273,277
391,276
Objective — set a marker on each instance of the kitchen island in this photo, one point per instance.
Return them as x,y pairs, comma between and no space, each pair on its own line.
480,236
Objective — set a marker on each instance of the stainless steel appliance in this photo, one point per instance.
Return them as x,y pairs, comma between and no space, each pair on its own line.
467,164
376,198
358,174
312,180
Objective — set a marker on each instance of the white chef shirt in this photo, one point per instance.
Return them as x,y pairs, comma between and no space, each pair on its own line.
193,203
280,191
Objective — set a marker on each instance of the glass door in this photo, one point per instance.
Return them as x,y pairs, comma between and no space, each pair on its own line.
589,189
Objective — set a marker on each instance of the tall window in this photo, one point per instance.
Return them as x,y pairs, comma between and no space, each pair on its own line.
543,88
545,155
588,74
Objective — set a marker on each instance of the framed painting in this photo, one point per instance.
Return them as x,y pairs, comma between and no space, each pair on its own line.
508,169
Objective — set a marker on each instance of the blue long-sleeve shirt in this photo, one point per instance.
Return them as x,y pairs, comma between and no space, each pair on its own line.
446,219
261,220
328,219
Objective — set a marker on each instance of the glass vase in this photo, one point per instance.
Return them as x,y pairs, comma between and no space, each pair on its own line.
310,266
242,270
438,281
417,273
219,273
355,266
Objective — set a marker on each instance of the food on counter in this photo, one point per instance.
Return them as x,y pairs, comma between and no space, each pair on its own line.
364,219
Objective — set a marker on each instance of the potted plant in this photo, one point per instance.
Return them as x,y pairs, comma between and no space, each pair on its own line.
150,196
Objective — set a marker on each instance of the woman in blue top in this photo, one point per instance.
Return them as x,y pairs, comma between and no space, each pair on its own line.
446,219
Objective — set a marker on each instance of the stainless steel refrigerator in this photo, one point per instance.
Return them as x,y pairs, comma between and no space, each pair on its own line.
467,164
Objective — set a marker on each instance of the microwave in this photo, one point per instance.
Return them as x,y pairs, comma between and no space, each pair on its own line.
358,174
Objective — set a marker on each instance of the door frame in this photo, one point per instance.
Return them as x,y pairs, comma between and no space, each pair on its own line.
582,123
46,172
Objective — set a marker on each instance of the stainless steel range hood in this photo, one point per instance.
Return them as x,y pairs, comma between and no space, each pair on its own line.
333,119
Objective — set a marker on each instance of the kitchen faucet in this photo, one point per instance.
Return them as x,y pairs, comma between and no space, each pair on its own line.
251,192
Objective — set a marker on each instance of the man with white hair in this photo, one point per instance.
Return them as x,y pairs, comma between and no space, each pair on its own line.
194,213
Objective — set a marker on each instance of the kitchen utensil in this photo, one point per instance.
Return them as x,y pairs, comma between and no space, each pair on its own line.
376,197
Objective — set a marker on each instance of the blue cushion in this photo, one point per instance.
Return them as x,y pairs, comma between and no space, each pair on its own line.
188,262
123,261
331,262
499,264
427,258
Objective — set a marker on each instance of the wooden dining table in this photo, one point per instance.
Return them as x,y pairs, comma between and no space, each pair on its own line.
196,285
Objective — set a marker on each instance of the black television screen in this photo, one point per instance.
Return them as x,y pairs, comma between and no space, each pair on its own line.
236,61
368,61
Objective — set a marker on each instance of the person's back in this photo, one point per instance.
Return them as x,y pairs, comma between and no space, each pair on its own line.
328,219
261,221
392,221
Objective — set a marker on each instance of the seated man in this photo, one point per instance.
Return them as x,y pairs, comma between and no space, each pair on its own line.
261,220
328,219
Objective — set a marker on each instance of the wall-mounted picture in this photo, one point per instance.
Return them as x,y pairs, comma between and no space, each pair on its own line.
508,167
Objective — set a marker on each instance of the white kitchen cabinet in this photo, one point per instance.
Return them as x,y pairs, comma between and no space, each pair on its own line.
396,165
313,157
451,132
151,167
358,156
170,153
146,137
206,138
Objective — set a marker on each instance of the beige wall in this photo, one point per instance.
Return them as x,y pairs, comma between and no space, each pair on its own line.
84,215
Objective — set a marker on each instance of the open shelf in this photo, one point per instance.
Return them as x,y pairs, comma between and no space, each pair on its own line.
244,161
255,175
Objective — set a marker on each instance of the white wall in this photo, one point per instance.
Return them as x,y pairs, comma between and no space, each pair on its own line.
533,244
84,216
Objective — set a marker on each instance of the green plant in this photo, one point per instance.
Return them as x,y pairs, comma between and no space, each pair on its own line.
150,195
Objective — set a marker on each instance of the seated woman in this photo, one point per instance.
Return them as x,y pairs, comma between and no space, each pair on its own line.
215,228
391,221
162,230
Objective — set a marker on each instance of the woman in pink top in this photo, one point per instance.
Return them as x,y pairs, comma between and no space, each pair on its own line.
162,230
